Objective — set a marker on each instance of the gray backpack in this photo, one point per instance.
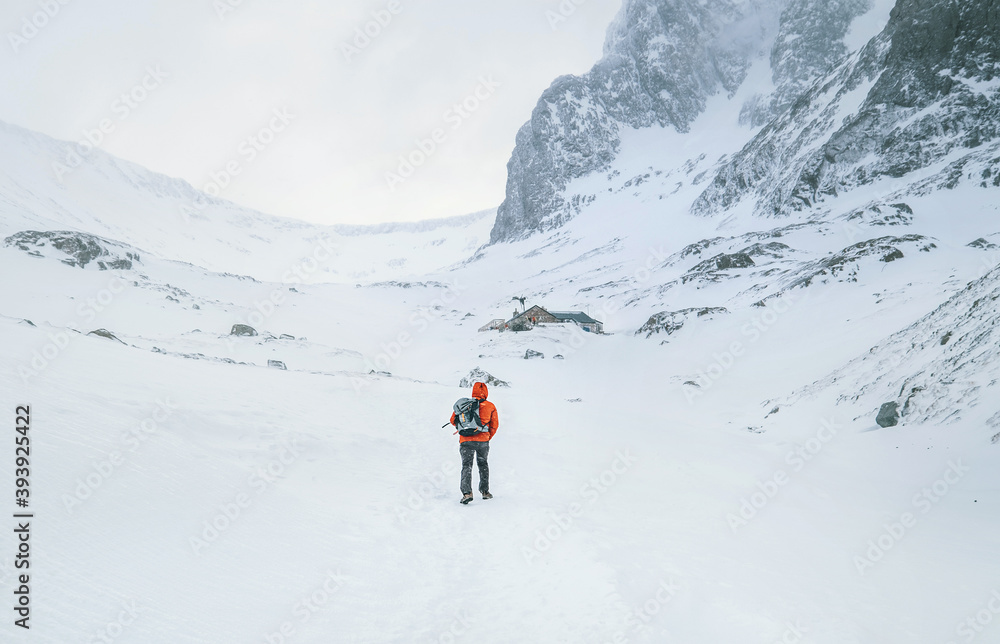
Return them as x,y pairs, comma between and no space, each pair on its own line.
467,419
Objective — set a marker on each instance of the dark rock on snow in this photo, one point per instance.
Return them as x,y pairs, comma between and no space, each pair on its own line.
668,322
243,329
75,248
104,333
888,415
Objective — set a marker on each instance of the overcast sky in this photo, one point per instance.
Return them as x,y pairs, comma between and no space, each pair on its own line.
216,71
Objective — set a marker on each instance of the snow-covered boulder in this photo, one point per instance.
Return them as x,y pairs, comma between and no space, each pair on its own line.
75,248
478,375
668,322
243,329
104,333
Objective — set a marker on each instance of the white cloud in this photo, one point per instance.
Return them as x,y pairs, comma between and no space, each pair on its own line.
353,118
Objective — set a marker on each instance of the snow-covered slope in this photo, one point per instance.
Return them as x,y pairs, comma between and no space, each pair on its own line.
120,201
937,370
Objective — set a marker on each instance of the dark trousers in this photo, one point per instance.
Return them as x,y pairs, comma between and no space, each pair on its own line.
480,450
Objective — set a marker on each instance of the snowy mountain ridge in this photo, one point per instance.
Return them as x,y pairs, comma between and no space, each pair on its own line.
118,200
663,62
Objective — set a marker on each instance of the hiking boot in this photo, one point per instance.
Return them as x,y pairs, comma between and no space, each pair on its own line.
487,495
466,498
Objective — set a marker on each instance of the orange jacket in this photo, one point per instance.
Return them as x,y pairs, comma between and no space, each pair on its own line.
487,414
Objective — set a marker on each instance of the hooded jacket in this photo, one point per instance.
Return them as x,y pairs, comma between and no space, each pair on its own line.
487,414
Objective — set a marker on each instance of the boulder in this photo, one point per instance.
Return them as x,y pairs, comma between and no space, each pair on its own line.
531,353
277,364
243,329
888,415
478,375
668,322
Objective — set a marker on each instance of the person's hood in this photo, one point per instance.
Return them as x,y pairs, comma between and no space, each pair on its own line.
479,391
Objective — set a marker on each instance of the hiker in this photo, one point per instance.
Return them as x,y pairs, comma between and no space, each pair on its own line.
478,445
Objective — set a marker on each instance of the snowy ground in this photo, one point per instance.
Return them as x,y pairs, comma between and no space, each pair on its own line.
205,501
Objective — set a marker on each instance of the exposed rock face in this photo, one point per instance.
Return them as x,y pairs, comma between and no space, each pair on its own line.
75,248
982,243
712,269
809,44
930,92
668,322
663,59
846,264
922,91
896,214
